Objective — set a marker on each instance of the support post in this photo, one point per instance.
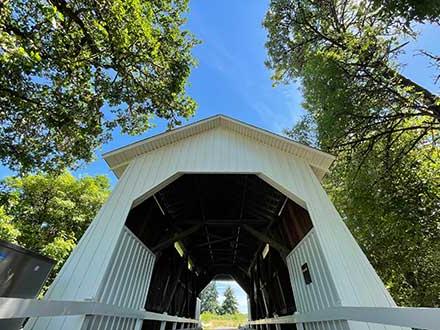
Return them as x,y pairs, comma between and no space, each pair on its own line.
138,324
277,326
163,324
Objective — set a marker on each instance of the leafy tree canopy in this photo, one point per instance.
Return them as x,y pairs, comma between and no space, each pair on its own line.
49,214
72,70
208,299
383,127
394,214
344,52
411,10
230,304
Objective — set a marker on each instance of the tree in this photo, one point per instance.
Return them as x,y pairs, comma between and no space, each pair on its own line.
8,232
345,54
230,304
382,126
395,218
411,10
73,70
209,299
49,214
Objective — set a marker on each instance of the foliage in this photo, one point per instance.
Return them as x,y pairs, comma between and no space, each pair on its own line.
208,316
395,216
71,71
208,299
215,321
382,126
411,10
49,214
345,53
8,232
230,304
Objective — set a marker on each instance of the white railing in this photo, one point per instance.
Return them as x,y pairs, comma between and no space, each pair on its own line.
21,308
420,318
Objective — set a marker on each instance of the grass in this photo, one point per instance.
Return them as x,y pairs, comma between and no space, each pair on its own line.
212,321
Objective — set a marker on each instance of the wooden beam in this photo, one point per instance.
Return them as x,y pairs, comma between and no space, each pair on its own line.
212,242
229,250
282,249
173,291
225,222
242,281
176,237
283,257
280,288
214,235
202,211
225,260
243,203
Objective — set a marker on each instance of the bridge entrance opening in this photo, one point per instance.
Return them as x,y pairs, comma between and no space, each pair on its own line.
224,304
219,226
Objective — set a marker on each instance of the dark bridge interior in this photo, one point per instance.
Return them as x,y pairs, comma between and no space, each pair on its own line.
206,226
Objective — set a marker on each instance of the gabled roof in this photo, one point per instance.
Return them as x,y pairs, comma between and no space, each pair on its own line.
119,159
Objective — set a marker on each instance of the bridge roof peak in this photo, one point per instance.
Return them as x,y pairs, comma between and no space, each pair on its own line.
319,160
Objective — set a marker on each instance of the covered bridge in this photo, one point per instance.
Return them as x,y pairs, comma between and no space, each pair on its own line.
218,199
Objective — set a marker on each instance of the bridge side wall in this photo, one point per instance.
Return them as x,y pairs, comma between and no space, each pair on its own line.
355,279
127,282
321,292
217,151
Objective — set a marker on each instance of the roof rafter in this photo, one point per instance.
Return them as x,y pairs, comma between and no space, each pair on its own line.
174,238
284,250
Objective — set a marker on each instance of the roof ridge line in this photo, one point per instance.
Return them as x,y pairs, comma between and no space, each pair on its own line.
317,158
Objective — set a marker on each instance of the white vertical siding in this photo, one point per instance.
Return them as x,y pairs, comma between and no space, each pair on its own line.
217,151
127,282
321,292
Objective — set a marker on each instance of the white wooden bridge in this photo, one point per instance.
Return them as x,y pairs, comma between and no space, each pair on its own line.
214,200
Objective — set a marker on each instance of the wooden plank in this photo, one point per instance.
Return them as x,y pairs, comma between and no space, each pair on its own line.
176,237
225,222
222,240
281,248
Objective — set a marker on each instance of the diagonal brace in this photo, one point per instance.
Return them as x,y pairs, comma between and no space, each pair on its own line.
176,237
281,248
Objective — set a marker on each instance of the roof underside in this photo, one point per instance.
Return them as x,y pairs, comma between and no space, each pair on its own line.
223,203
119,159
211,215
